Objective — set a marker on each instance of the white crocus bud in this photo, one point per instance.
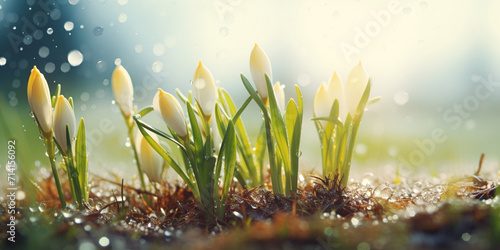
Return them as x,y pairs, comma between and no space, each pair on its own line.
171,112
40,102
357,80
280,96
123,90
64,115
204,90
336,92
151,161
322,104
259,67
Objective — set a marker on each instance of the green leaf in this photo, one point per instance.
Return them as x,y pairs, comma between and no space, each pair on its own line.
260,149
248,167
81,159
253,93
181,96
279,128
168,159
373,100
161,133
229,159
143,112
56,96
72,171
70,100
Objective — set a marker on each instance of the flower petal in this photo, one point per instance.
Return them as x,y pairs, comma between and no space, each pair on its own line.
204,89
64,115
259,66
123,90
355,86
336,91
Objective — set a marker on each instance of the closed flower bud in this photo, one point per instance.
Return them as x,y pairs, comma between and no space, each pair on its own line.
64,115
336,92
171,112
280,96
322,104
204,90
259,67
151,161
40,102
123,90
357,80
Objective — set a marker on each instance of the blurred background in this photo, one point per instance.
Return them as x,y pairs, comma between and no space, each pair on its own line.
436,66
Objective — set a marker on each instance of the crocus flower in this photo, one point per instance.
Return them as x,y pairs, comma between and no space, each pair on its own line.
171,112
64,115
40,102
322,104
259,67
280,96
123,90
357,80
151,161
204,90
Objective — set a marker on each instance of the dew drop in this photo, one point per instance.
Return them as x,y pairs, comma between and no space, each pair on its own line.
65,67
42,207
68,26
75,58
158,49
98,30
118,61
122,18
50,31
157,66
3,61
50,67
138,48
401,98
199,83
224,31
407,10
101,66
43,52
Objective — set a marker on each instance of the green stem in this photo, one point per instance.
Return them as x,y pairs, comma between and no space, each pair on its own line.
130,126
75,183
50,151
275,173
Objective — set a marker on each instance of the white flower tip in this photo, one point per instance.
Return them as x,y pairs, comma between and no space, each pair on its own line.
123,89
39,100
259,67
204,90
63,115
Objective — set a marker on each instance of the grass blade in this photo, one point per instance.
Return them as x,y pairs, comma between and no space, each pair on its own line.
81,159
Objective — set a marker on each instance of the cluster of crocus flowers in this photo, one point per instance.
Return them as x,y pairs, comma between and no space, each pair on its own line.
348,97
338,110
203,166
58,127
282,123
